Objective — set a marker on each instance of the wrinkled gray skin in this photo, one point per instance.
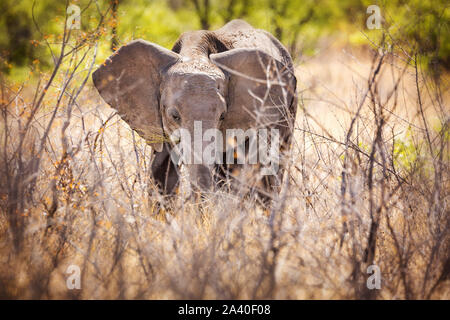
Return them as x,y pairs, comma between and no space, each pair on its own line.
156,91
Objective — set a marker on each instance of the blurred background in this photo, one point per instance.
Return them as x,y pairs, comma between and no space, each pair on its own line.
304,26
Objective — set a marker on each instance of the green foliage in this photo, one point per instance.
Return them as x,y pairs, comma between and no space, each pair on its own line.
422,27
154,21
32,28
411,151
406,153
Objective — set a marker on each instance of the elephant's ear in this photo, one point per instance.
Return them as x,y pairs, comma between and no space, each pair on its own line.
261,89
129,81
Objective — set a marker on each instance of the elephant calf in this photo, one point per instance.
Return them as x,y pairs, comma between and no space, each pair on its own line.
236,77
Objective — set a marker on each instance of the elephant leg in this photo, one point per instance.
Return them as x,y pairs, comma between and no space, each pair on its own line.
164,172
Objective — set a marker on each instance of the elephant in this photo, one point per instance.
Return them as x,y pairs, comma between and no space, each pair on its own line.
236,77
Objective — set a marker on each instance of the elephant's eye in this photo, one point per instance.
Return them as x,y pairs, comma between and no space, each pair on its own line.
222,116
174,114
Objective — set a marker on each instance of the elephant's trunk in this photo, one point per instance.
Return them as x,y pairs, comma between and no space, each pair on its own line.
201,168
201,177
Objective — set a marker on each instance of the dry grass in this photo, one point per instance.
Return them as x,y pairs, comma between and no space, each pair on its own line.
368,184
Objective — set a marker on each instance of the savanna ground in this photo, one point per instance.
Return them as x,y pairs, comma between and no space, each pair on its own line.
366,184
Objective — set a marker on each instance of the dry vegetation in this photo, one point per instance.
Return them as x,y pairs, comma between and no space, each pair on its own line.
368,184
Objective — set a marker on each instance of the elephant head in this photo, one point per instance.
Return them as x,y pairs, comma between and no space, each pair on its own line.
157,91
